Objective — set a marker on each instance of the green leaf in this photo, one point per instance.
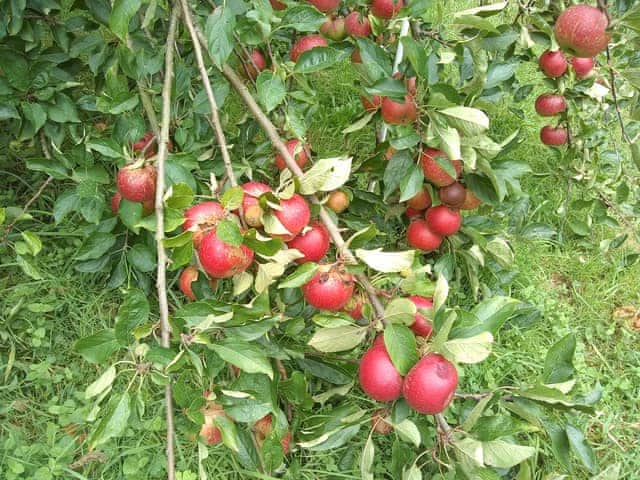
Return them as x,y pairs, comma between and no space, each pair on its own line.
366,459
271,90
326,175
386,262
470,349
246,356
338,339
318,58
411,184
114,424
121,14
97,348
469,121
63,110
359,124
142,257
375,61
33,242
103,383
229,232
400,342
496,426
28,268
35,114
300,276
417,56
303,18
232,198
408,431
558,365
401,311
106,146
228,430
581,448
96,246
219,33
490,315
501,454
399,164
133,311
181,196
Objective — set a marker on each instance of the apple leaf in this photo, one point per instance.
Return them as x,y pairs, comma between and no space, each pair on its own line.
326,175
400,343
338,339
386,262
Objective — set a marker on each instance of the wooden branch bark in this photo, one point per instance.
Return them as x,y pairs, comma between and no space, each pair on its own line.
161,282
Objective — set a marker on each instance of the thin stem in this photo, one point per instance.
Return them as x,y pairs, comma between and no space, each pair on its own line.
442,423
215,118
277,142
161,282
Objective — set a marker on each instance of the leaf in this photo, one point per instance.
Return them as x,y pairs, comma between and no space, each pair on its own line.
490,315
581,448
501,251
97,348
417,56
35,114
469,350
229,232
440,293
105,146
501,454
219,33
142,257
121,14
28,268
246,356
228,430
114,424
401,311
400,163
413,473
63,110
366,460
232,198
300,276
133,311
303,18
326,175
375,61
33,241
181,196
558,365
400,342
412,183
318,58
559,443
359,124
450,144
386,262
408,431
271,90
469,121
338,339
103,383
96,246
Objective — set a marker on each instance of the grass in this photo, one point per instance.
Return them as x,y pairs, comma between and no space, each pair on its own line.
579,290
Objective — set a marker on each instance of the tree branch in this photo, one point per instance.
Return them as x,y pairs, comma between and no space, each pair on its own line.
442,423
161,282
215,118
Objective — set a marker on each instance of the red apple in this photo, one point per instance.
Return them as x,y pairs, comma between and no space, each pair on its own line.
325,5
371,105
251,209
297,150
276,5
554,136
413,213
421,326
433,172
202,217
209,433
399,113
582,29
453,195
420,236
470,201
550,104
330,288
137,184
583,67
443,221
553,64
307,43
294,215
420,201
378,376
385,8
256,64
313,244
334,29
357,25
431,384
221,260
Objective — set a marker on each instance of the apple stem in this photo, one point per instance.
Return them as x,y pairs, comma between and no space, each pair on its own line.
161,282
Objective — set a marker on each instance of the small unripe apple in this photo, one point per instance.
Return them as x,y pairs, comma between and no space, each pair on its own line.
420,236
443,221
334,29
554,136
431,384
307,43
385,8
357,25
399,113
550,104
453,195
420,201
297,150
583,67
378,376
582,29
338,201
553,64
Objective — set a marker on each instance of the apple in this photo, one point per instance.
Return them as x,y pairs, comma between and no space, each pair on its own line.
371,105
378,376
221,260
582,29
297,150
137,184
443,221
421,326
554,136
294,214
330,288
420,236
354,306
307,43
433,172
263,429
338,201
251,209
550,104
202,217
453,195
276,5
385,8
209,433
325,5
420,201
256,64
413,213
313,244
431,384
357,25
399,113
553,64
470,201
334,28
583,67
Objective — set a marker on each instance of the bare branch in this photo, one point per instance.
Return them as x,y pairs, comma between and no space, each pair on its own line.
161,282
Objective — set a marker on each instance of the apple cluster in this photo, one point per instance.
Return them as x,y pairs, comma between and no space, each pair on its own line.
581,32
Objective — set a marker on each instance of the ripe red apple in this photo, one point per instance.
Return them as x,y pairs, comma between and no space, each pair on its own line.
137,184
550,104
325,5
256,64
141,145
334,29
421,326
147,207
187,277
420,236
251,209
263,428
470,201
554,136
202,217
209,433
300,157
338,201
371,105
378,422
413,213
399,113
582,29
313,244
453,195
294,215
221,260
357,25
354,306
433,172
583,67
378,376
420,201
553,64
431,384
385,8
115,202
443,220
276,5
330,288
307,43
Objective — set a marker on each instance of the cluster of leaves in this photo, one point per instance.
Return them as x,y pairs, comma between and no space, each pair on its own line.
77,80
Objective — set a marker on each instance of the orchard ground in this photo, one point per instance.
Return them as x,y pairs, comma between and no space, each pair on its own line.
577,288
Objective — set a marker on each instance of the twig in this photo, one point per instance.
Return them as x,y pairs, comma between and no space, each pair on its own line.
147,104
35,196
442,423
215,118
161,282
273,135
